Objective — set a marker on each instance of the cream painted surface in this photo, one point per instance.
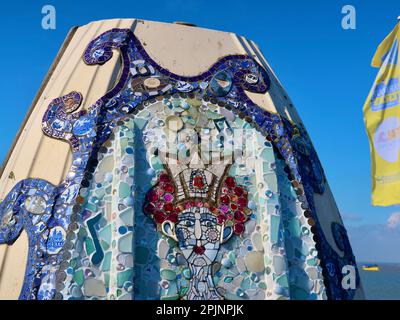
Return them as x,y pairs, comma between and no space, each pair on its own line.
183,50
13,262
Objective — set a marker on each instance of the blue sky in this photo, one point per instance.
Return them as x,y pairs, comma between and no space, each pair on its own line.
325,69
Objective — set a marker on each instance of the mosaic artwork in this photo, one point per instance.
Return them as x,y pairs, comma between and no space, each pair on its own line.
179,188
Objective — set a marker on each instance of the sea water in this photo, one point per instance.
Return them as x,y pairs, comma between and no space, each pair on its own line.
383,284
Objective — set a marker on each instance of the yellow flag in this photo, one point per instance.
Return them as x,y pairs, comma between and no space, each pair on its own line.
382,121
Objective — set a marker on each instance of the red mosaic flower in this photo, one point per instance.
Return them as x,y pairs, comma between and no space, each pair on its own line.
239,191
242,202
164,177
240,216
225,199
221,219
235,198
230,182
168,207
238,228
169,188
198,182
159,217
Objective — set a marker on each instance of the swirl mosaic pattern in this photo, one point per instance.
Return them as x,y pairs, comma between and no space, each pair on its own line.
135,219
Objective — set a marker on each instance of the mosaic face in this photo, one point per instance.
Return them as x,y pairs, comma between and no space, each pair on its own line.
198,235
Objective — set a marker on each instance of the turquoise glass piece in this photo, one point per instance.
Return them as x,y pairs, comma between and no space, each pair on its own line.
124,190
106,262
124,276
283,281
105,234
294,227
168,274
275,225
125,243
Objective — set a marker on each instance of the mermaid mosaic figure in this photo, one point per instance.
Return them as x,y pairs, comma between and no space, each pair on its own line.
146,213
